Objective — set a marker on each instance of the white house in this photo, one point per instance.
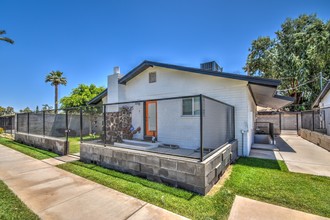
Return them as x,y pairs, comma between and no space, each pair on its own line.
322,102
172,121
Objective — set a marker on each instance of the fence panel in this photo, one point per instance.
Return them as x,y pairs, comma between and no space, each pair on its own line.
7,123
218,124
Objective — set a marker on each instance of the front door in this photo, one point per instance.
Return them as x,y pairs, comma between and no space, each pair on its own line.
151,118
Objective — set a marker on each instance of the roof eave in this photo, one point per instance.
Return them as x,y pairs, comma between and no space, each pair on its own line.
146,64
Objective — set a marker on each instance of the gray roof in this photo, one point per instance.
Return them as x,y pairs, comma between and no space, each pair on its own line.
321,95
146,64
257,85
97,99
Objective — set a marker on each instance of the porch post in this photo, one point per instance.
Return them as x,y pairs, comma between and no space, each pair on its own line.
105,124
81,124
17,123
43,123
313,121
201,126
28,123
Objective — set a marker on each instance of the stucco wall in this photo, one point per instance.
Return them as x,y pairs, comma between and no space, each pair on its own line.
171,83
326,100
173,128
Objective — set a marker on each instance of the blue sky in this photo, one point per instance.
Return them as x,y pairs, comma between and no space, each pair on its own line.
86,39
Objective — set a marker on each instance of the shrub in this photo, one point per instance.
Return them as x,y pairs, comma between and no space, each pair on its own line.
1,130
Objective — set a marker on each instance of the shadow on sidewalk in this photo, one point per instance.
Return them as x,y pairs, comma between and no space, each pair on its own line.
282,145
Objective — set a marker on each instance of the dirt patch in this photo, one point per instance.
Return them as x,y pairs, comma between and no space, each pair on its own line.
221,182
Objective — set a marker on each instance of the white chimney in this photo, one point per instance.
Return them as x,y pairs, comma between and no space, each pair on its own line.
116,70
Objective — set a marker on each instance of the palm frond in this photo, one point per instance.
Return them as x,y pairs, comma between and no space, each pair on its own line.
7,40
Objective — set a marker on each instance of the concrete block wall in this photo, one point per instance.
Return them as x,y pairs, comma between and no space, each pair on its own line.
317,138
55,145
189,174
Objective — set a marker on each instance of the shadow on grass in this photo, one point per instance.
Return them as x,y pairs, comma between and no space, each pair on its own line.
262,163
177,192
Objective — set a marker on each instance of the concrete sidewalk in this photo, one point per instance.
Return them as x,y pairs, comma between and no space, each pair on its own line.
248,209
53,193
302,156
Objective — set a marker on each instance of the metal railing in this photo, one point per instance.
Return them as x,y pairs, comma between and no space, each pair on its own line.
196,132
7,123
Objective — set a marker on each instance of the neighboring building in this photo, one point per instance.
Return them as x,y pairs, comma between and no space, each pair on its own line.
322,104
153,81
323,100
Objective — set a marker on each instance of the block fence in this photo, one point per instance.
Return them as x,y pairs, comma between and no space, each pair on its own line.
56,145
189,174
317,138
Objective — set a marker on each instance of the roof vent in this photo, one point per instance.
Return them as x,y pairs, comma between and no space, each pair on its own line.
212,66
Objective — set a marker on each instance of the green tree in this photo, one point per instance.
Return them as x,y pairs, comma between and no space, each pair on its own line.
10,110
2,111
298,55
6,111
26,110
6,39
80,96
47,107
56,78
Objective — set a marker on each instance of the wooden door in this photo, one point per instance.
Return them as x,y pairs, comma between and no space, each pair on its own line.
151,118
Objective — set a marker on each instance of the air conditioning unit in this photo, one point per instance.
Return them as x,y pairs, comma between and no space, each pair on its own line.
211,66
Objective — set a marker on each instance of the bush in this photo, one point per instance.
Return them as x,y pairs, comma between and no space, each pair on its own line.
1,130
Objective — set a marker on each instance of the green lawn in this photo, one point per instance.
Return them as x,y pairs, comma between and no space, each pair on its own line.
74,146
75,142
11,207
28,150
263,180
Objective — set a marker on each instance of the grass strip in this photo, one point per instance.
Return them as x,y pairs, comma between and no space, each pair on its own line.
11,207
259,179
28,150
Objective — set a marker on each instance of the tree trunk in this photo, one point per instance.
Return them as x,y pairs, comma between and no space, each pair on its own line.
56,97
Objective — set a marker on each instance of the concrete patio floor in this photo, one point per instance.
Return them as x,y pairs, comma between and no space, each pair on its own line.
53,193
248,209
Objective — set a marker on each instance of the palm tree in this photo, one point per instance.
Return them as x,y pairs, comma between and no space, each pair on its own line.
5,38
56,78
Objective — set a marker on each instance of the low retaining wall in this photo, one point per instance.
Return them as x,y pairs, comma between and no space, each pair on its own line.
320,139
46,143
189,174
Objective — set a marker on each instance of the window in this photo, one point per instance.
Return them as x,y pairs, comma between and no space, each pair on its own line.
190,106
152,77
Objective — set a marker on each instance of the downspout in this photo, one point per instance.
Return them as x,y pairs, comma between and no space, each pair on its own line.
243,132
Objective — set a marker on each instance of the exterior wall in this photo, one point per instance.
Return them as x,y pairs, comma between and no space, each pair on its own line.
326,100
180,172
252,109
317,138
173,128
47,143
171,83
137,119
